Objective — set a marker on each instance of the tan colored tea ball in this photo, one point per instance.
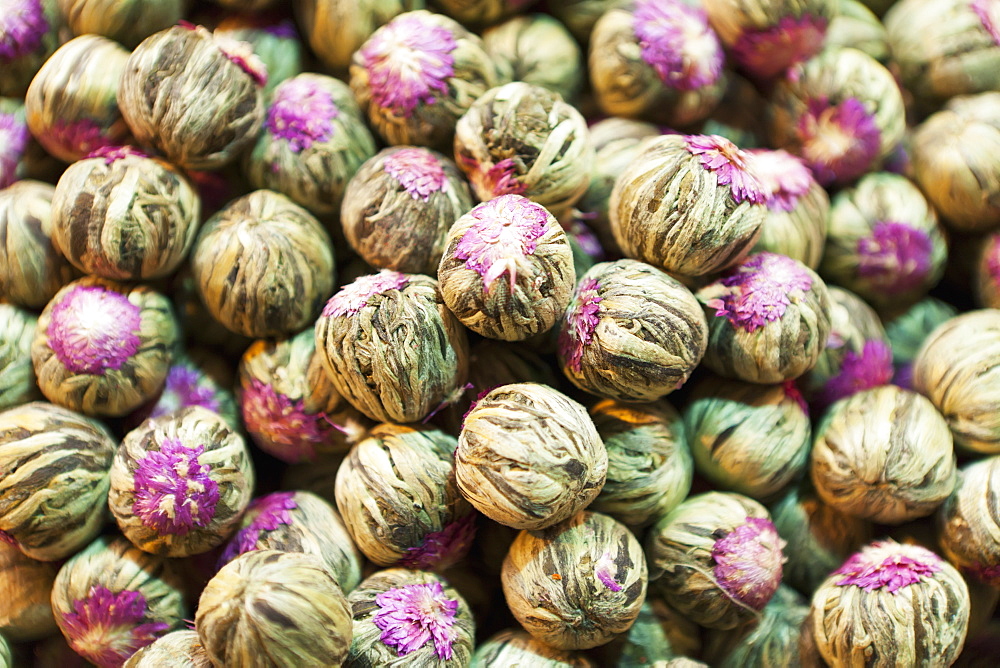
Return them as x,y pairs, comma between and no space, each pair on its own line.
125,22
774,641
518,42
515,647
17,376
26,587
335,29
179,649
968,522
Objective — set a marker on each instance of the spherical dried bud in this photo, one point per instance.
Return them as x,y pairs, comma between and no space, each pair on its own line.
689,204
856,26
271,608
27,590
399,207
283,261
17,377
524,139
717,558
103,348
968,522
125,22
112,599
910,607
514,237
179,649
29,33
196,97
884,454
272,36
336,29
529,456
631,333
517,44
773,641
515,647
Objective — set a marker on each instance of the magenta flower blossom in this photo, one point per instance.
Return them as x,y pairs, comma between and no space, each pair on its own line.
677,42
582,317
173,492
94,330
14,138
186,386
411,616
769,52
784,177
301,113
896,257
585,236
506,230
496,180
107,627
409,61
748,562
888,565
22,26
281,426
839,142
792,392
605,571
83,136
763,288
284,29
730,165
241,53
418,171
353,297
268,512
114,153
988,12
870,368
441,549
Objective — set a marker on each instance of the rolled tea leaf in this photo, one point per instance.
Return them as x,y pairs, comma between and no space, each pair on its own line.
968,522
908,330
773,641
516,647
127,22
482,12
26,586
855,25
180,649
517,42
17,377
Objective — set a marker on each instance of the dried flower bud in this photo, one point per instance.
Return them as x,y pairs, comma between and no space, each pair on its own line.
17,376
399,207
717,558
112,599
178,649
773,641
263,265
514,237
689,204
884,454
29,33
125,22
768,320
27,589
856,26
336,29
524,139
529,456
968,523
385,322
194,96
413,614
515,647
103,348
538,50
54,480
631,333
910,607
199,380
273,38
274,609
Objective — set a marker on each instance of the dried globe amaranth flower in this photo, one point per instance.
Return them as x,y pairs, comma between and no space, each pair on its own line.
180,483
113,599
27,590
54,479
689,204
29,33
103,348
538,50
274,39
17,376
841,112
263,265
657,60
397,494
398,208
335,29
855,25
391,346
968,522
631,333
125,22
409,617
178,649
716,558
200,379
313,142
957,369
529,456
891,605
649,462
884,454
514,237
274,609
515,647
772,642
768,320
746,438
908,330
122,215
196,97
416,75
524,139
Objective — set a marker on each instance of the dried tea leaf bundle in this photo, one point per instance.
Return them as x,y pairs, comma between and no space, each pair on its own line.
17,376
273,37
26,587
127,22
515,647
179,649
774,641
908,330
968,523
515,44
856,26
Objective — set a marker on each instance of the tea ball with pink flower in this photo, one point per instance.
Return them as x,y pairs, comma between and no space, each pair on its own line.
514,45
513,647
890,604
17,376
104,348
274,38
197,377
113,599
127,23
967,524
29,33
178,648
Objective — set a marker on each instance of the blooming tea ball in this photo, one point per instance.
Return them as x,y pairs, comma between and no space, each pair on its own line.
263,265
523,139
538,50
413,614
17,376
32,267
771,320
631,333
29,33
196,97
197,380
178,649
688,204
313,142
968,522
127,22
273,37
529,456
26,587
514,237
103,348
514,647
391,346
716,558
891,604
113,599
772,642
274,609
398,208
335,29
884,454
298,522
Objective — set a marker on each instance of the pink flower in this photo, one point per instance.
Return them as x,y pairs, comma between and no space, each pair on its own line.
605,571
413,615
792,392
896,257
301,113
186,385
783,176
762,289
677,42
870,368
582,318
14,138
888,565
93,330
268,512
730,165
241,53
768,52
353,297
173,492
988,12
107,627
748,562
83,136
417,170
114,153
22,26
443,548
281,426
491,180
840,142
585,236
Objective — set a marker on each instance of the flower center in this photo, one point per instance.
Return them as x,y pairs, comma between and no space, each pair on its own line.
173,492
93,330
413,615
354,297
418,171
762,289
22,26
839,142
105,627
768,52
896,257
676,41
301,113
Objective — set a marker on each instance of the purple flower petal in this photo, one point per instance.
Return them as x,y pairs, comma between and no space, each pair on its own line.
413,615
106,627
268,512
839,142
605,570
792,392
769,52
888,565
281,426
114,153
748,562
988,12
93,330
174,493
493,180
83,136
730,165
896,257
353,297
677,42
22,26
14,138
784,177
582,318
301,113
418,171
186,385
442,548
870,368
763,288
